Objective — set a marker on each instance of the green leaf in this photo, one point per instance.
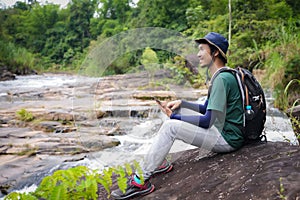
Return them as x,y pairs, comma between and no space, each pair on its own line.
92,188
16,195
59,192
107,174
121,180
128,169
104,184
46,186
122,183
139,171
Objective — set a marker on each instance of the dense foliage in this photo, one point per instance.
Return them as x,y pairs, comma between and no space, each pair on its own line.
262,34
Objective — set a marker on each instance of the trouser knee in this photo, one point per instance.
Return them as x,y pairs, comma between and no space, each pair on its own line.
170,127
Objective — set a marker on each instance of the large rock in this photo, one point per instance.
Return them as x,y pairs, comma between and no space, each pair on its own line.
254,172
6,75
266,171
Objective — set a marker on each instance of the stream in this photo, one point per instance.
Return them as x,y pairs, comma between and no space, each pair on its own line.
75,93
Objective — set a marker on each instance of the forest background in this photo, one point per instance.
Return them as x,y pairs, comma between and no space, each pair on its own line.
263,34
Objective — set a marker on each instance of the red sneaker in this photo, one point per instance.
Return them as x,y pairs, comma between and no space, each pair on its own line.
165,167
133,189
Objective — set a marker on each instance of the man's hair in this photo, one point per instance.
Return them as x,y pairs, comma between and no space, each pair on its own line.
213,49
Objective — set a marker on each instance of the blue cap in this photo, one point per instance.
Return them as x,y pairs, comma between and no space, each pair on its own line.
217,40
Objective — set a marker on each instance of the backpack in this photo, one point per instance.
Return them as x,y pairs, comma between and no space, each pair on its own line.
254,103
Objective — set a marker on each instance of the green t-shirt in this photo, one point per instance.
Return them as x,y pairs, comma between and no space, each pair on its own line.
225,97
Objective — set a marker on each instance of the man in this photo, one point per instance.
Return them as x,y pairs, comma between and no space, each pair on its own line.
214,126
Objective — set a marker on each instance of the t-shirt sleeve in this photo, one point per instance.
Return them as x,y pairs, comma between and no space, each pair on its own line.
217,99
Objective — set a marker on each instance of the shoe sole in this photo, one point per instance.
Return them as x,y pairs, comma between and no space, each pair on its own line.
137,194
163,172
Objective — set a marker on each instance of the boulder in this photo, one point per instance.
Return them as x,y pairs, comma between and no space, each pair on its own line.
264,171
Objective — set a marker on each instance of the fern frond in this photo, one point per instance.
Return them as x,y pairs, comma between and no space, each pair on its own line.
139,170
45,188
107,176
104,184
90,188
15,195
128,169
122,183
122,180
59,192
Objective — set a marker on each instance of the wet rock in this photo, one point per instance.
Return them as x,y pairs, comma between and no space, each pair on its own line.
99,143
100,114
62,116
19,171
47,126
6,75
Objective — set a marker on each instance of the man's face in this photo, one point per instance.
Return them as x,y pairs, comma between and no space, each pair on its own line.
204,55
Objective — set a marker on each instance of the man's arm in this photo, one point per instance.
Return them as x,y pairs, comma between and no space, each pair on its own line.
201,108
204,121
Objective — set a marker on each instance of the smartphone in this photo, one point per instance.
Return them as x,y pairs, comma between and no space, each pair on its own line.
157,101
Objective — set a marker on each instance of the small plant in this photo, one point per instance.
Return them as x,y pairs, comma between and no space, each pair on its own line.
24,115
281,190
294,120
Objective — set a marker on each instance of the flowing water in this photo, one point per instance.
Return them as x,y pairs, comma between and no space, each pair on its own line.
140,135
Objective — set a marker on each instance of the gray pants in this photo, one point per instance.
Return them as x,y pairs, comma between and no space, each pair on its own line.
208,139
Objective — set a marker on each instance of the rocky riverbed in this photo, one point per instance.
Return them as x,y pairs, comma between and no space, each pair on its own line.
51,121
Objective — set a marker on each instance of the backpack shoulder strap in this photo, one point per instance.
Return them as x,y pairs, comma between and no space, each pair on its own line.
223,69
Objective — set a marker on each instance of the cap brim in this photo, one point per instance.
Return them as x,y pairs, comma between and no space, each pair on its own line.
203,40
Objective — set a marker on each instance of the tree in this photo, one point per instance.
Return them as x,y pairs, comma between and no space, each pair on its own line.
160,13
81,12
112,17
38,21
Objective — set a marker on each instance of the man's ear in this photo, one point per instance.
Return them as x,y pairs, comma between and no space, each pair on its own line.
216,53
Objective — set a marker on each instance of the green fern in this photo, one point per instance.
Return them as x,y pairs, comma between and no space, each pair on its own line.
78,183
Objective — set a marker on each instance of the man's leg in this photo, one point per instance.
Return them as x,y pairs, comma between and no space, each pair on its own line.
207,139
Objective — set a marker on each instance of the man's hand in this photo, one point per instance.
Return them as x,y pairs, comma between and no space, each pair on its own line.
173,105
163,106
